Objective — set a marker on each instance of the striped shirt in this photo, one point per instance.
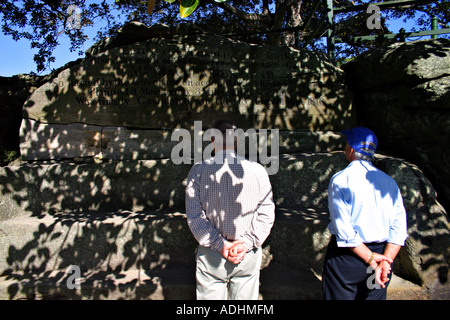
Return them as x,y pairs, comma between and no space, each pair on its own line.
229,198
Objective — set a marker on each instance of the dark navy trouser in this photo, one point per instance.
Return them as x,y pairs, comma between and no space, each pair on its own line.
346,277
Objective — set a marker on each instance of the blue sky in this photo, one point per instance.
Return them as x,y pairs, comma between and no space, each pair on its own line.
17,57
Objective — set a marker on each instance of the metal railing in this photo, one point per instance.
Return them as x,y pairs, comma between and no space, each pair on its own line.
401,36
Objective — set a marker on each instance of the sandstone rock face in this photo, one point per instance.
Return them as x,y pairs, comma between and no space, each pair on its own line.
70,192
43,141
168,82
123,219
425,257
403,93
13,93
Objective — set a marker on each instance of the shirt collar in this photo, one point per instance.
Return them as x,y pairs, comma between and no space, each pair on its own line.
226,152
223,155
361,162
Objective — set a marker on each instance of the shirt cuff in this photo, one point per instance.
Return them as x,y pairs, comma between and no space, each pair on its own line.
353,242
397,239
218,244
248,244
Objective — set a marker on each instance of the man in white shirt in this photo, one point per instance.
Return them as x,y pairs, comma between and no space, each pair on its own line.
230,212
368,224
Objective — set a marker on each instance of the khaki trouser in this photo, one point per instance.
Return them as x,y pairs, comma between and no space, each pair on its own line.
219,279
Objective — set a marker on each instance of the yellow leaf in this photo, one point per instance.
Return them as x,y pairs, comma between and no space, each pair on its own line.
187,7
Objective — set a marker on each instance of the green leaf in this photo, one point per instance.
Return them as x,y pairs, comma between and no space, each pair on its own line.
187,7
220,0
170,1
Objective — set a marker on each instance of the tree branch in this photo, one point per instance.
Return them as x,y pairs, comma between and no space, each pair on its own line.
265,7
253,17
281,12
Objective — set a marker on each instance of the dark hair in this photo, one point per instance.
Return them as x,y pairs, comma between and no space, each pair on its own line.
223,126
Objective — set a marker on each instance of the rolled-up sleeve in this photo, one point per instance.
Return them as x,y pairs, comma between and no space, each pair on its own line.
398,226
339,206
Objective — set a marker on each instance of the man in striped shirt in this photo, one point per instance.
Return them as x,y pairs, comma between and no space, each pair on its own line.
230,212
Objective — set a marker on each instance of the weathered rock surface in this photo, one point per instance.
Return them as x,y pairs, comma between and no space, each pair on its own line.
122,220
43,141
13,93
403,93
426,256
168,82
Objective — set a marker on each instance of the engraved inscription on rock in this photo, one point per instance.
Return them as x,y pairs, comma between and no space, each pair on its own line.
166,83
169,82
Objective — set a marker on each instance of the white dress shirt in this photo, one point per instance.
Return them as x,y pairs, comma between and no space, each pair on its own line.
365,205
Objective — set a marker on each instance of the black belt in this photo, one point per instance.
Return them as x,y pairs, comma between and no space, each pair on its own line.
374,243
334,238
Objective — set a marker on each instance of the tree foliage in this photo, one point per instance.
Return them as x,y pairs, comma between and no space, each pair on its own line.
43,22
